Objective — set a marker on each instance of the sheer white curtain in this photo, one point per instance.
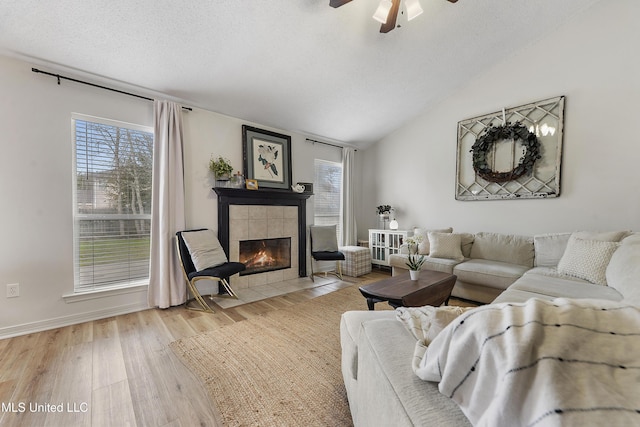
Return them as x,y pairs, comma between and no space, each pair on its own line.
349,230
166,281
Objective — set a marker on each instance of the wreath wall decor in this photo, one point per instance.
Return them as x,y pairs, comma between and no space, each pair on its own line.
494,134
511,154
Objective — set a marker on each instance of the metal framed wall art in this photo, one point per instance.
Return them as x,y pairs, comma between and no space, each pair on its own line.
266,157
511,154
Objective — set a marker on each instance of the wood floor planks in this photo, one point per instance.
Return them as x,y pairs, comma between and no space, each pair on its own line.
119,370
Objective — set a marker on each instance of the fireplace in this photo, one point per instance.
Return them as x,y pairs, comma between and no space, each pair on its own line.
264,214
263,255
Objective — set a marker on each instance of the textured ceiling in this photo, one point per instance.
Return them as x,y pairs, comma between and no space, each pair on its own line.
298,65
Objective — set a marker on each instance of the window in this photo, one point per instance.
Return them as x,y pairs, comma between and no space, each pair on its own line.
112,203
327,190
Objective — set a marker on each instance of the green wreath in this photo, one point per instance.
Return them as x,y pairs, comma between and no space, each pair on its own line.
517,132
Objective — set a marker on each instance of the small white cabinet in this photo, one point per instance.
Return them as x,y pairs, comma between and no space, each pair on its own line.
383,243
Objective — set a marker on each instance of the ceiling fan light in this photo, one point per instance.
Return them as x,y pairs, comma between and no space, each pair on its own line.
413,9
382,13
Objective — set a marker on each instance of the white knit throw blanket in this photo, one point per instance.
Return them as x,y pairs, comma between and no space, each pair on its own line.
541,363
425,323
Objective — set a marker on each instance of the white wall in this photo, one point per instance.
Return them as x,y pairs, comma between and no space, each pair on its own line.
593,61
36,188
207,134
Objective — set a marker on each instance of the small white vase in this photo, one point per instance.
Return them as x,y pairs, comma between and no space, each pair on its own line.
414,274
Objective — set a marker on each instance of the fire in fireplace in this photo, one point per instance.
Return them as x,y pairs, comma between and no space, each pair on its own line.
262,255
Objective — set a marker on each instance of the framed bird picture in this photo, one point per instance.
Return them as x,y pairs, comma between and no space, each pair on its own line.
266,157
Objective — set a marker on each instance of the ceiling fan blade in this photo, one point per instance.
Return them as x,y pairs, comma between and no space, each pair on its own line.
392,18
338,3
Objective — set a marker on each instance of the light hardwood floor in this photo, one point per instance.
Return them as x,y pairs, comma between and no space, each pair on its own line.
120,371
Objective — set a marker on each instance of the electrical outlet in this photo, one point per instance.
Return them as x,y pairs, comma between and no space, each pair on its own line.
13,290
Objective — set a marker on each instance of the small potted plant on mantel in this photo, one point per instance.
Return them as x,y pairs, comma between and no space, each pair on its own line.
414,262
221,168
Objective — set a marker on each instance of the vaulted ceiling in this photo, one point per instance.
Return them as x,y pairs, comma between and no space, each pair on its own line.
297,65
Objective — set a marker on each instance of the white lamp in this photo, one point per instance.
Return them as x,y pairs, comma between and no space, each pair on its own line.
393,225
413,9
382,12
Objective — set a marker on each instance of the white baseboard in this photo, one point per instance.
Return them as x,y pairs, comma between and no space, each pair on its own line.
58,322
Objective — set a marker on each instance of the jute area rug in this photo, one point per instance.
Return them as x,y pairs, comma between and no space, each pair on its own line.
279,369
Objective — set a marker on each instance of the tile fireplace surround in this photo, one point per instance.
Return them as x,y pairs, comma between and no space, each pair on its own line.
259,214
263,222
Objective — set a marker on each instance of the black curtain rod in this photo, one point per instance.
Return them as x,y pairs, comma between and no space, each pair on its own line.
59,77
326,143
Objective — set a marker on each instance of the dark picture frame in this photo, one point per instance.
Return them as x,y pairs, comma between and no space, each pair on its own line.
266,157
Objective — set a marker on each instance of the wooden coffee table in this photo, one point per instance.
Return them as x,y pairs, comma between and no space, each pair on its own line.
431,288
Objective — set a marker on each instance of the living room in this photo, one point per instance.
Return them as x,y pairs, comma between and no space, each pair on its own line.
588,58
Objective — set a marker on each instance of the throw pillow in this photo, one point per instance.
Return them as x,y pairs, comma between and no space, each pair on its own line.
466,243
549,248
509,248
587,259
445,245
205,249
623,271
323,238
424,246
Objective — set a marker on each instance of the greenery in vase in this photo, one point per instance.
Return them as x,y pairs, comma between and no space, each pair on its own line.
414,262
383,209
220,166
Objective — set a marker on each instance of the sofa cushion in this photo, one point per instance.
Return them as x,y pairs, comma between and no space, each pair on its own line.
437,264
623,271
388,392
507,248
493,274
350,324
466,243
445,245
424,246
604,236
549,248
516,295
557,287
553,272
587,259
631,238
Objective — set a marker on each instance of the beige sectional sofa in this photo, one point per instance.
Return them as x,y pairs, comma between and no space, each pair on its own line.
489,263
377,349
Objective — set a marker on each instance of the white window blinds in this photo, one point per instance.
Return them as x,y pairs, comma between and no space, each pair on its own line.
112,203
327,191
